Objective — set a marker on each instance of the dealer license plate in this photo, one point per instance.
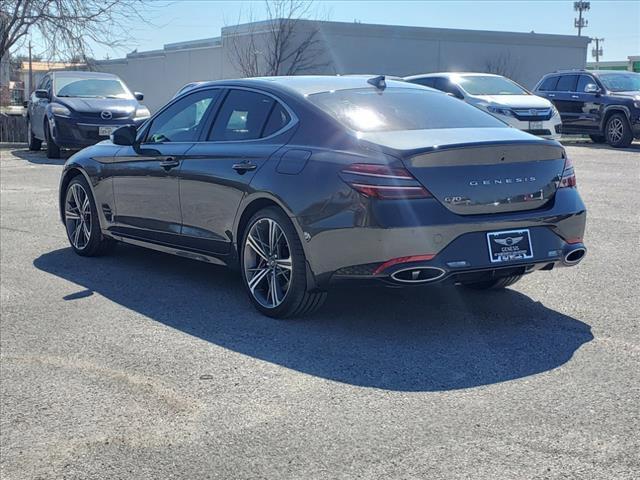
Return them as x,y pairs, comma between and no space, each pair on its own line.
509,245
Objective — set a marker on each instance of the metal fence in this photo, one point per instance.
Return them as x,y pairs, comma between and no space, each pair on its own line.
13,128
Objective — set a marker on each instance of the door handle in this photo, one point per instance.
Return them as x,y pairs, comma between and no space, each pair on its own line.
551,94
575,96
169,163
244,167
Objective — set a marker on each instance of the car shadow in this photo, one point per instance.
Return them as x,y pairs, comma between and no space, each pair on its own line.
418,339
39,157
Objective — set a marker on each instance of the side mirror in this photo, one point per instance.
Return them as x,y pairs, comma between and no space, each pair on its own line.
139,96
41,94
124,135
25,104
591,88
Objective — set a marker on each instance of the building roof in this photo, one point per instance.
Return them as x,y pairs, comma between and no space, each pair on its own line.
48,66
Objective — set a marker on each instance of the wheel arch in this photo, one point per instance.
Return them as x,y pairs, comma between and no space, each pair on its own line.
611,110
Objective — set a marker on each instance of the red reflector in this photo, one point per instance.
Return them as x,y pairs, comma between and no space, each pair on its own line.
395,261
574,240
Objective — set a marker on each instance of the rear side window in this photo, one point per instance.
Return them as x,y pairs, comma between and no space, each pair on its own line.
278,119
548,84
567,83
369,110
244,116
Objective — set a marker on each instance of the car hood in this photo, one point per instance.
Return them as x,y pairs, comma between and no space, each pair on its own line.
93,105
631,94
513,101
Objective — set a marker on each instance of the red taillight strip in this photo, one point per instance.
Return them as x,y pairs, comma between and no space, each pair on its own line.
385,187
379,171
395,261
379,175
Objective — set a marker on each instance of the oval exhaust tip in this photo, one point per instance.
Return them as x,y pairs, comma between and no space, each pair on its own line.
574,256
418,275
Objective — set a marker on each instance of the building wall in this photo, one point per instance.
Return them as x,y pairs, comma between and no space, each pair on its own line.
346,48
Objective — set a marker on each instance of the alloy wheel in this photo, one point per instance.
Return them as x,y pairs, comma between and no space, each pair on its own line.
267,262
615,130
77,216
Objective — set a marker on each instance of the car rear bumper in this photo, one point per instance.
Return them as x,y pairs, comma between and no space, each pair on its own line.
549,129
456,243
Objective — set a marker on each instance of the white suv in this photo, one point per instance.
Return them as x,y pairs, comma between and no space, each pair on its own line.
501,97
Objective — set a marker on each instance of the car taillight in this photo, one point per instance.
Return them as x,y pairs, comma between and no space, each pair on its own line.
568,175
383,182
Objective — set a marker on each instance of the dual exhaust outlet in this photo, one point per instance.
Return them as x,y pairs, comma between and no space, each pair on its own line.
426,274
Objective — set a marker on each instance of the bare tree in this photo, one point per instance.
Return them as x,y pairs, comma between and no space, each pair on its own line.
286,43
68,27
501,64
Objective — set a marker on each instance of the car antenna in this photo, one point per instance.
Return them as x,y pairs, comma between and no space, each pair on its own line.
378,82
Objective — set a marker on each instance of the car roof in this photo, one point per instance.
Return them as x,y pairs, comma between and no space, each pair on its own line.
82,73
309,84
451,74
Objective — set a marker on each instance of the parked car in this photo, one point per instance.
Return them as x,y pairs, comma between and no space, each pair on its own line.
303,182
499,96
604,104
76,109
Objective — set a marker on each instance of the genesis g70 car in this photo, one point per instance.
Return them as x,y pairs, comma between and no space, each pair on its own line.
303,182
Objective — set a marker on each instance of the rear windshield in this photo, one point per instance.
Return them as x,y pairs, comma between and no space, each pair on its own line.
621,82
368,110
480,85
69,86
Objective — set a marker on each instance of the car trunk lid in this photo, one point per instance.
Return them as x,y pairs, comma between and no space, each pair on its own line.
479,171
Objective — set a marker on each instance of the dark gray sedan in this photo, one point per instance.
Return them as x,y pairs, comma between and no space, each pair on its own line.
304,182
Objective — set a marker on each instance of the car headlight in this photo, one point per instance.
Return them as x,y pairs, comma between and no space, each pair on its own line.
142,113
554,110
60,110
500,110
636,104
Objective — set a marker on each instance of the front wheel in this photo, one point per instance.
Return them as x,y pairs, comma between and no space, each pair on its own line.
81,220
274,268
34,143
618,131
494,283
53,150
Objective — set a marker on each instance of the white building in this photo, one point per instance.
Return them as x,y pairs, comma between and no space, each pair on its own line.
345,48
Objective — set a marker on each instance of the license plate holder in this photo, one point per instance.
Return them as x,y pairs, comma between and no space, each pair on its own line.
106,131
537,125
509,245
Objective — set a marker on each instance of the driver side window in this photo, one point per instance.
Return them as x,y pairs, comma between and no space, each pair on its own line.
181,122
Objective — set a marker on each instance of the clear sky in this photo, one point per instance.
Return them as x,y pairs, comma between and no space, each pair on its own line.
616,21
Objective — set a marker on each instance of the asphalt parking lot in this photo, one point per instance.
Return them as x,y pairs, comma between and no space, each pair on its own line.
140,365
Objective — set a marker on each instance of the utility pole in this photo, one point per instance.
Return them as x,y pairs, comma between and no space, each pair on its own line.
580,23
597,52
30,72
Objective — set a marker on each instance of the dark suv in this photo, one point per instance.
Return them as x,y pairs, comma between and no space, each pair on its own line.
76,109
604,104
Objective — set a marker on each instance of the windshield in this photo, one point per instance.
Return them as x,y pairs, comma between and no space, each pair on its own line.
368,110
68,86
621,82
480,85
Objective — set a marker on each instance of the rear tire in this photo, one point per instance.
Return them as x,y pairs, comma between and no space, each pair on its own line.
274,267
81,220
53,150
494,283
598,138
618,132
34,143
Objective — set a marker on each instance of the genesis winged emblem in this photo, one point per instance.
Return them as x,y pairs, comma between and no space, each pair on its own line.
508,241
